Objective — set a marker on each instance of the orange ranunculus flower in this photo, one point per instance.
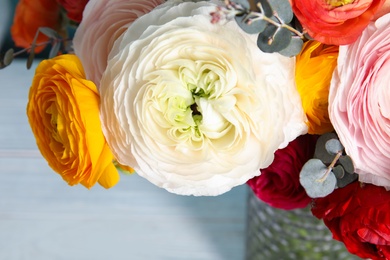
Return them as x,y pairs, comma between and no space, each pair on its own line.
337,22
314,68
63,112
29,16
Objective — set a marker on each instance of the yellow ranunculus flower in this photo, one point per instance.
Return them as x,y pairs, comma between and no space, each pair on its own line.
314,68
63,112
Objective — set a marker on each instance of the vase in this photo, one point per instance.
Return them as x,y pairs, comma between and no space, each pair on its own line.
274,233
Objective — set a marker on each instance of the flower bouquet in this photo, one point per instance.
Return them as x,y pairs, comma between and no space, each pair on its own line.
289,97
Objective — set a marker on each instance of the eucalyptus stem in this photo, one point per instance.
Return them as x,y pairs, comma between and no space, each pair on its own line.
29,48
290,28
238,9
330,167
37,45
282,25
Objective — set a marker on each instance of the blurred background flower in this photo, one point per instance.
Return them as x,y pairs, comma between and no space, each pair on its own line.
26,23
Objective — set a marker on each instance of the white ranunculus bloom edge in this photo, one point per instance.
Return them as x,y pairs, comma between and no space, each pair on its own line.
195,107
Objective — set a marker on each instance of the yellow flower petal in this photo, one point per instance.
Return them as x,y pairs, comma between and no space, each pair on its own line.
314,69
110,175
63,112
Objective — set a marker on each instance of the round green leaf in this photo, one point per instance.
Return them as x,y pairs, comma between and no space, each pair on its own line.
294,48
256,26
273,39
347,179
338,171
8,57
320,151
243,3
266,8
314,179
283,10
333,146
308,37
347,163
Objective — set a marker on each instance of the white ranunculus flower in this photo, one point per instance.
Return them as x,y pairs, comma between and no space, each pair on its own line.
195,107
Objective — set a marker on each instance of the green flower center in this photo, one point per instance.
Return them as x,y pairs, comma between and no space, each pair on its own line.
191,97
338,3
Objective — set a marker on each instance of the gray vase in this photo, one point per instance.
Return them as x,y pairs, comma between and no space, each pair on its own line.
289,234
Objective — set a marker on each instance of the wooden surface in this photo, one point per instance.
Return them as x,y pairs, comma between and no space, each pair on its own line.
41,217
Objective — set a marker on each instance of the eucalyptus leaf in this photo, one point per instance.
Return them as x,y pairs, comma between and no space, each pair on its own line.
296,24
8,57
265,7
320,150
347,164
307,36
256,26
31,57
347,179
283,10
333,146
314,179
244,3
67,47
273,39
49,32
338,171
294,48
54,50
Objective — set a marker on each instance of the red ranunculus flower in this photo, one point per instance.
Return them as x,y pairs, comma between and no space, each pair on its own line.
359,216
74,8
278,185
336,22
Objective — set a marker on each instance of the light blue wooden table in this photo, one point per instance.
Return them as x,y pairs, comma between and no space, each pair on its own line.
43,218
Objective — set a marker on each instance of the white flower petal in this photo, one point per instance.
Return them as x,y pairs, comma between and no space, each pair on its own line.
195,107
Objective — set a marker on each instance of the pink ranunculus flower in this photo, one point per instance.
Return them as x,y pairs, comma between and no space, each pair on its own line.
359,102
103,22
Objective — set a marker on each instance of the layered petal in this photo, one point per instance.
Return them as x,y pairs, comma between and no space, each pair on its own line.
314,69
359,102
278,185
336,22
103,22
359,216
63,112
187,110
